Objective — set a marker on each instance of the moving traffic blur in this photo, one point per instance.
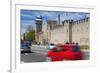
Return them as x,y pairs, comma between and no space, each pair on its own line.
54,52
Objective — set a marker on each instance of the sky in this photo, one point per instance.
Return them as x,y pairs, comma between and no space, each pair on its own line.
28,17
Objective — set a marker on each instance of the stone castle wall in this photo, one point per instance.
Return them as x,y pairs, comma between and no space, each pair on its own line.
54,33
80,32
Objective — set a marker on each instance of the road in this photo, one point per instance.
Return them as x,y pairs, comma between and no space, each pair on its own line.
39,55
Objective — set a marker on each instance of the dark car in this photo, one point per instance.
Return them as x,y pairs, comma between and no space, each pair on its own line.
25,47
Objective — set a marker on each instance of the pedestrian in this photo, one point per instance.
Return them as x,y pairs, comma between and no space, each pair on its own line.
76,47
73,43
67,42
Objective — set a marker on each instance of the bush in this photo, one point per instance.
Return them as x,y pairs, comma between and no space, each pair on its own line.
84,47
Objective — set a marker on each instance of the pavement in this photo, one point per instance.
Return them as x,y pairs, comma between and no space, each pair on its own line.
38,54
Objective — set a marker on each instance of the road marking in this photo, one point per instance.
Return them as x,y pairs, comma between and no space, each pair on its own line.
40,52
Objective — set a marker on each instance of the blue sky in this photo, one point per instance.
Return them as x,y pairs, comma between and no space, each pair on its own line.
28,17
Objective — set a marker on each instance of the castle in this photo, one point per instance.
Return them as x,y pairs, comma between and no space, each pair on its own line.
67,31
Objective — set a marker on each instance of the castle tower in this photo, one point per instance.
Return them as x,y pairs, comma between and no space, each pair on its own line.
68,30
38,23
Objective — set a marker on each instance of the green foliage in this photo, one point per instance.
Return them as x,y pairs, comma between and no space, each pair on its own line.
84,47
30,35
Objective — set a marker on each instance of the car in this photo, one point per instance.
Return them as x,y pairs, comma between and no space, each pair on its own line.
25,47
50,46
68,52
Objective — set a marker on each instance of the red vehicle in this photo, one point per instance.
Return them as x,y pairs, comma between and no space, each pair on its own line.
68,52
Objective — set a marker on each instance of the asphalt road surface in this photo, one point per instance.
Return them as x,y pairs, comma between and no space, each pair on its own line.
38,54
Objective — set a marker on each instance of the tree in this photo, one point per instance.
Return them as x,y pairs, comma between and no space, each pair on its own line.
30,34
30,28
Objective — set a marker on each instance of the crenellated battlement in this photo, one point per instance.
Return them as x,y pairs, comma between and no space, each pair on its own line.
81,21
76,22
54,25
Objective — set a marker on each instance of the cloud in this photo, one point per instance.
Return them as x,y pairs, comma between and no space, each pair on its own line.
28,16
46,15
